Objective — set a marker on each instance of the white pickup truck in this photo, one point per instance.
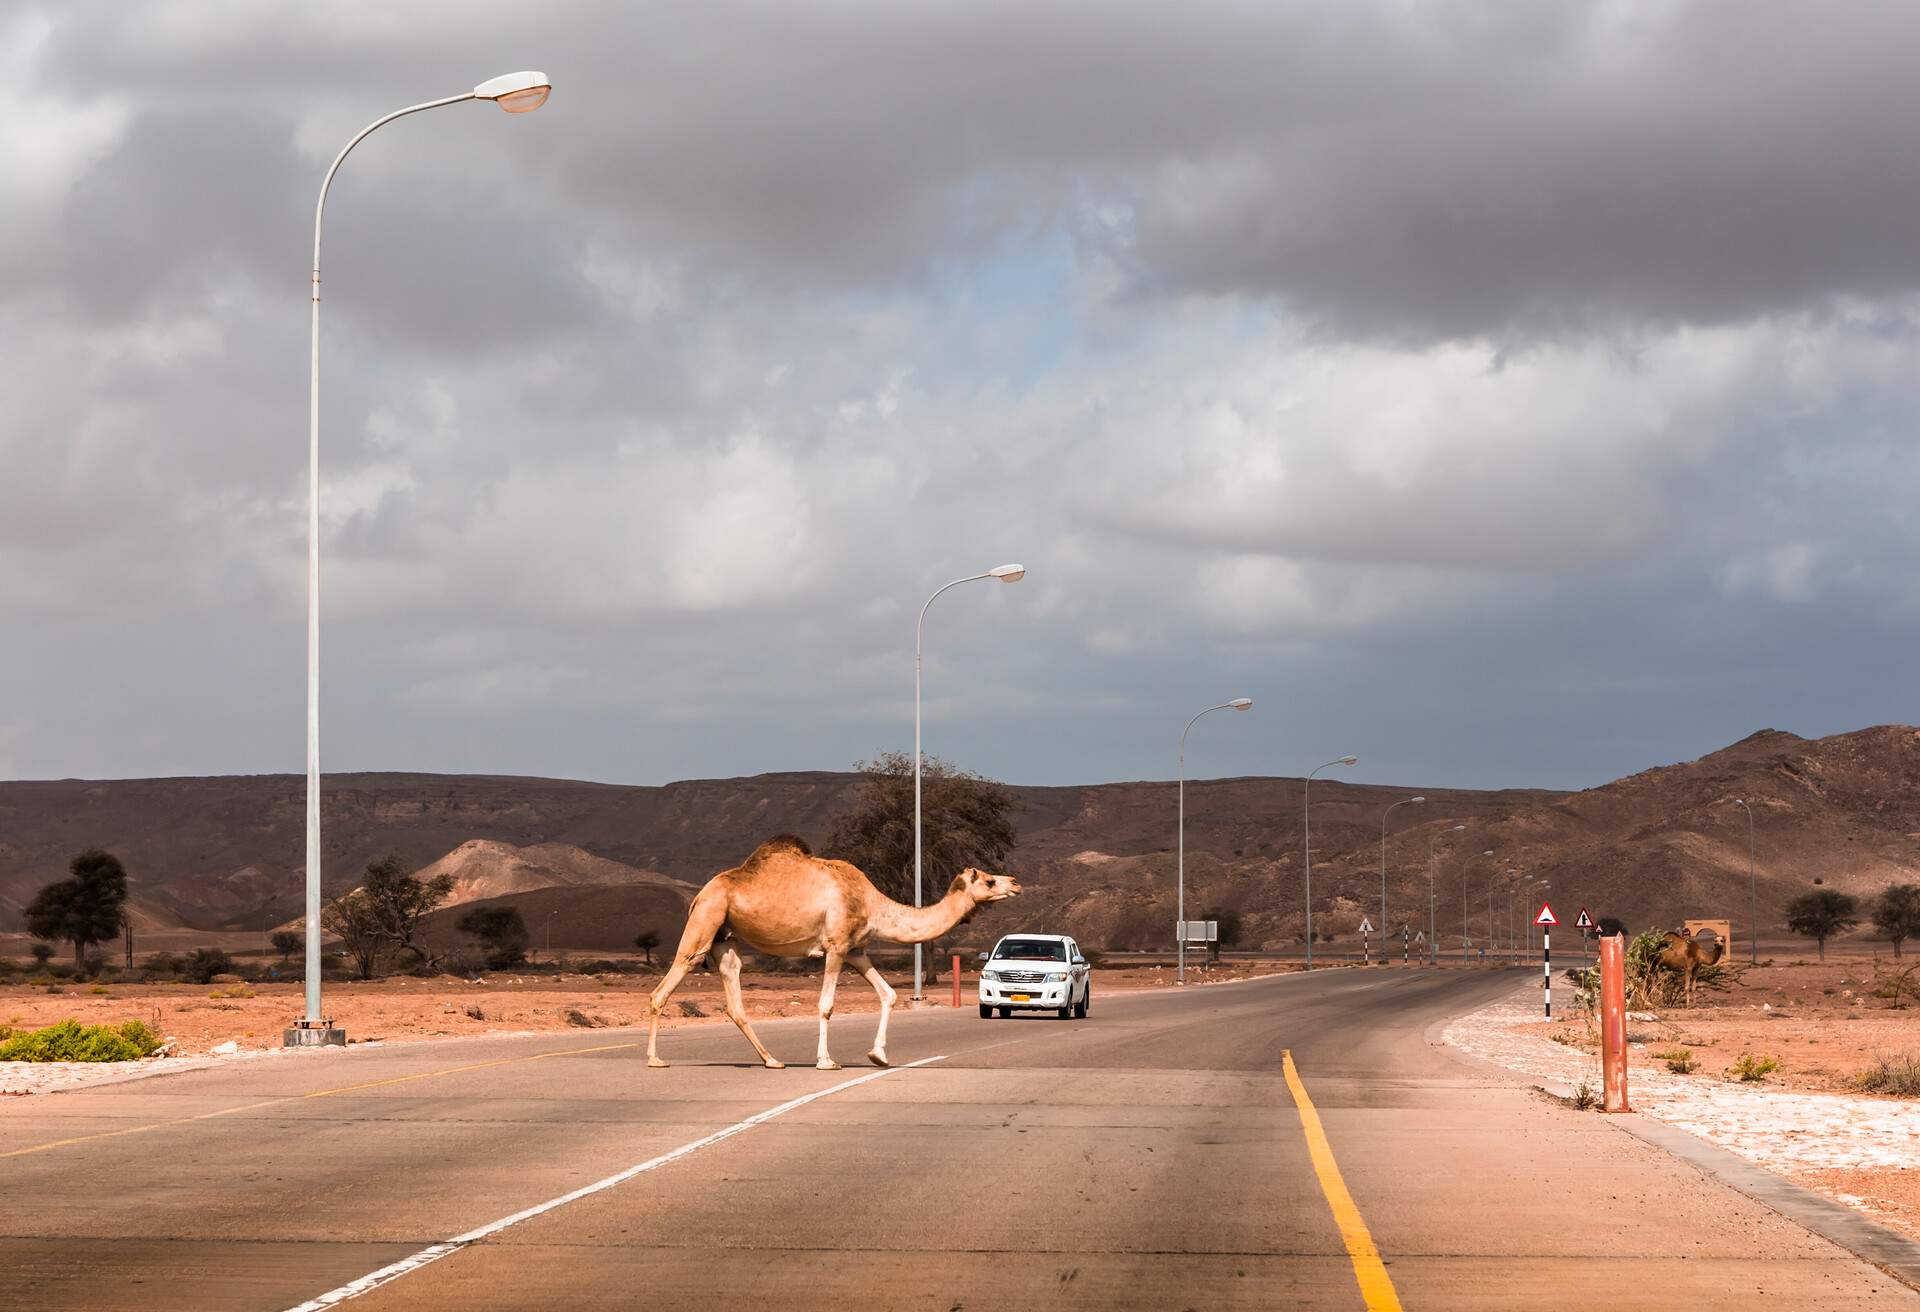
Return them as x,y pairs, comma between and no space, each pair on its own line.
1035,972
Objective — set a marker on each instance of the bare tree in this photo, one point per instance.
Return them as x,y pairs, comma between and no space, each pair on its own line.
354,920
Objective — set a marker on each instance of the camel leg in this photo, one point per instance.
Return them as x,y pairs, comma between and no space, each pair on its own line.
861,962
729,961
658,1000
827,987
704,920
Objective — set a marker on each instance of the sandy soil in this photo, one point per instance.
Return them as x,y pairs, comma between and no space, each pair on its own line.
200,1018
1821,1022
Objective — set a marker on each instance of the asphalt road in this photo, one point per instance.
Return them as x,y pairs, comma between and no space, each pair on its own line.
1152,1156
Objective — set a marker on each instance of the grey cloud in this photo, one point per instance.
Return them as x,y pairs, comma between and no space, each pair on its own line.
1509,395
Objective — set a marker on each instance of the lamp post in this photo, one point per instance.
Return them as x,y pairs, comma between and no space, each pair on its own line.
1433,900
516,93
1407,801
1753,890
1180,934
1006,574
1466,957
1306,833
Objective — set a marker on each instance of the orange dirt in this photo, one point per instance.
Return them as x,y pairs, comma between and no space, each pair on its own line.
201,1016
1820,1021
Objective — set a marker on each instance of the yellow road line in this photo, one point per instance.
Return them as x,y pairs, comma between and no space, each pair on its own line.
301,1097
1368,1269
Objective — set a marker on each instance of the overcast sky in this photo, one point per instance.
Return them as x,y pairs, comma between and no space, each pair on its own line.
1509,394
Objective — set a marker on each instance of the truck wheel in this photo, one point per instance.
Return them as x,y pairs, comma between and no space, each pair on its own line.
986,1012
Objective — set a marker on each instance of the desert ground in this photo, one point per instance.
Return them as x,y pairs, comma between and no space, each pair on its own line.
201,1017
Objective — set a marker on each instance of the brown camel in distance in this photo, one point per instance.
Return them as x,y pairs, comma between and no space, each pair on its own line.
1684,954
786,902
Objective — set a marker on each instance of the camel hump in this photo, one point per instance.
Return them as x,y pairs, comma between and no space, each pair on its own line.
780,843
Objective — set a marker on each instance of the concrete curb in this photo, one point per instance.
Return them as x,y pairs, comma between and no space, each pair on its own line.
1867,1240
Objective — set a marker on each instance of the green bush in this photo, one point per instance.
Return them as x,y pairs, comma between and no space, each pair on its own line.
1679,1060
1751,1069
69,1040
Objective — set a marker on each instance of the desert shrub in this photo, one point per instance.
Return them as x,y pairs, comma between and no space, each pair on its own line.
1899,1076
1679,1060
233,991
1897,984
8,966
1585,1099
474,1011
100,990
42,953
575,1016
202,964
1751,1069
161,965
467,963
69,1040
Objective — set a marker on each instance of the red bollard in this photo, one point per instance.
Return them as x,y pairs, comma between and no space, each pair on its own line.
1613,1022
956,981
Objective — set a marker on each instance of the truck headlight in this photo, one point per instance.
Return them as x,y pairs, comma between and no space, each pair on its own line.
1056,976
989,976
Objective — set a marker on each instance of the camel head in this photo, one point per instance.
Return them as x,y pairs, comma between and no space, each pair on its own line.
984,888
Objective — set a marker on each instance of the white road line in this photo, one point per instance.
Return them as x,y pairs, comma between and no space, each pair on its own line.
373,1280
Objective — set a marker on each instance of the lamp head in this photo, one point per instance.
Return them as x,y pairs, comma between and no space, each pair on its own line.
1346,760
1241,703
1008,573
1412,800
1457,829
517,93
1488,852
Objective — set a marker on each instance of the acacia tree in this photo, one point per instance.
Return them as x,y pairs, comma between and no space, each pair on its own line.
354,921
1821,914
647,941
502,932
966,820
399,902
1896,914
286,943
84,908
1227,922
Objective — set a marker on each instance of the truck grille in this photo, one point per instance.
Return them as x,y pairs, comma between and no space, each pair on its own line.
1020,977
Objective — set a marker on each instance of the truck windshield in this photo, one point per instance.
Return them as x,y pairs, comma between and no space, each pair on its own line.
1030,949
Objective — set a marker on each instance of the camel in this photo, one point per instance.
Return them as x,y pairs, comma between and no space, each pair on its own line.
786,902
1684,954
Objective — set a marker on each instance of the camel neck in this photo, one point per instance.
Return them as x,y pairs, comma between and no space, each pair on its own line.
898,923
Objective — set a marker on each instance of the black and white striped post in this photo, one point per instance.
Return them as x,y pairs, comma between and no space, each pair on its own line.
1406,946
1546,921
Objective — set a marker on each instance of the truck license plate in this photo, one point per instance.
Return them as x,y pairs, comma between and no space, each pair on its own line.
1022,997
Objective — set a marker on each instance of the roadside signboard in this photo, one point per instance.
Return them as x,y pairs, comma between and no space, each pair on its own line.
1585,921
1366,926
1202,931
1546,916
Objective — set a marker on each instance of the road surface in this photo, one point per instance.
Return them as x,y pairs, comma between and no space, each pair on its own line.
1156,1155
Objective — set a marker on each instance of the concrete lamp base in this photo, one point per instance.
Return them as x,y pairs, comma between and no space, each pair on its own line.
314,1034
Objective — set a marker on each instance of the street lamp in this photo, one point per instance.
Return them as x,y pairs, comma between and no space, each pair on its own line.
1433,901
1408,801
516,93
1753,893
1180,950
1006,574
1306,833
1466,957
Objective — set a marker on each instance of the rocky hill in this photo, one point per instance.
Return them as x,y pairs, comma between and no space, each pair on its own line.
1097,860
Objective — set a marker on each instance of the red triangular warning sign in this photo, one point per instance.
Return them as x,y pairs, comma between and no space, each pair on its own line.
1585,921
1546,916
